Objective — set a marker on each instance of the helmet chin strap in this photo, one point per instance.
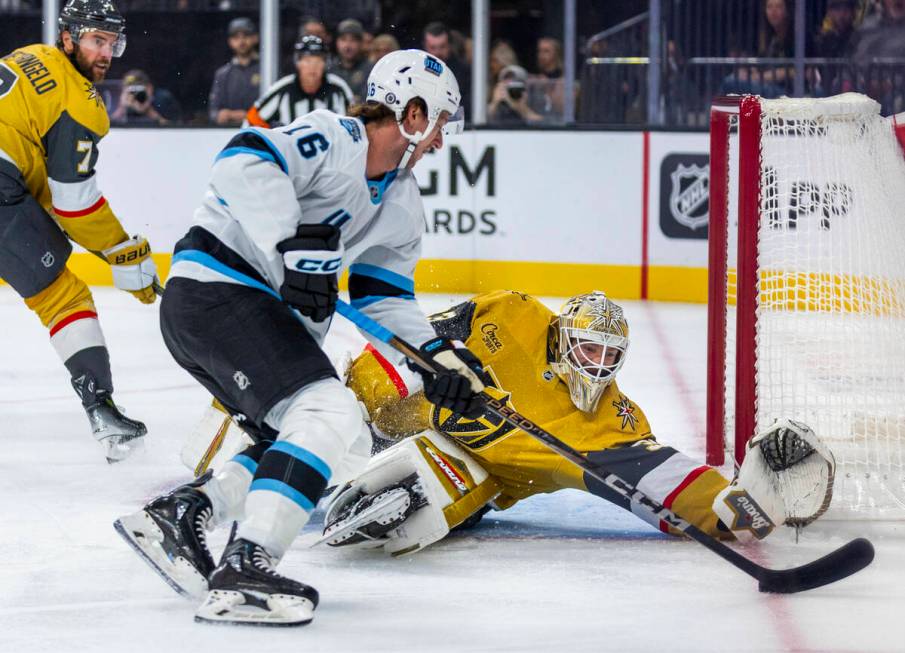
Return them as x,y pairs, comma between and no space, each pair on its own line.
414,140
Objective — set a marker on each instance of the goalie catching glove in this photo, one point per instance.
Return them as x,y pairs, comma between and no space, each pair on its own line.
457,383
786,478
312,258
133,268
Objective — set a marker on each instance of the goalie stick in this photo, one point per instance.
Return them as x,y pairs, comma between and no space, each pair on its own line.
836,565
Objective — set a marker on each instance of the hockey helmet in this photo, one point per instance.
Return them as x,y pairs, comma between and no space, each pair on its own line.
80,17
587,343
309,44
403,75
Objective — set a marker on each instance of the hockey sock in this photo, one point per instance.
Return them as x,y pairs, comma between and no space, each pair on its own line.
228,488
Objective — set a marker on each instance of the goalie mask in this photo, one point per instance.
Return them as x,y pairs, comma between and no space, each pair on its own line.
400,76
587,344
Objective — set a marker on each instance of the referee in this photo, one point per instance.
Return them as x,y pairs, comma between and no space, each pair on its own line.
309,88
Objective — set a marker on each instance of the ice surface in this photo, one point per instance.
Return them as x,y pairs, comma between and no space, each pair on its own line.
562,572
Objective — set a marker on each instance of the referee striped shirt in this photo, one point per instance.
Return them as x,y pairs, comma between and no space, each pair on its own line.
285,101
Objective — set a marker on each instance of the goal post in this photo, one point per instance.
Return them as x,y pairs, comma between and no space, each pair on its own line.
806,299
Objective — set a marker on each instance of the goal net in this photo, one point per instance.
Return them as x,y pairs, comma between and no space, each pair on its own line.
806,313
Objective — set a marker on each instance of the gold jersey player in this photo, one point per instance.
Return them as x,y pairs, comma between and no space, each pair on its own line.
560,371
51,119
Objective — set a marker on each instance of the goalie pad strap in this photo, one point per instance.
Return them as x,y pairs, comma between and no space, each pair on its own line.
463,508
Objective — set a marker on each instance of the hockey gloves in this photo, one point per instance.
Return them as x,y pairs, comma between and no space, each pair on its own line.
312,259
133,268
457,385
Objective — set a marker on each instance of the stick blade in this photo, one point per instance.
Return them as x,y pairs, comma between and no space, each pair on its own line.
841,563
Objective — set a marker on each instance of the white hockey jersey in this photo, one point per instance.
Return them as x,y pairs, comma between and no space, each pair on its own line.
267,182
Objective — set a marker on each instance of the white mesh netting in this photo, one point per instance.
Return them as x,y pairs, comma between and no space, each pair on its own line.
831,304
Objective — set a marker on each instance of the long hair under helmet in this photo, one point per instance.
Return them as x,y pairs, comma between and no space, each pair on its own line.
400,76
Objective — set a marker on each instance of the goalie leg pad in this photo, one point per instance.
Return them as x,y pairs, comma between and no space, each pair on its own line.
409,496
786,478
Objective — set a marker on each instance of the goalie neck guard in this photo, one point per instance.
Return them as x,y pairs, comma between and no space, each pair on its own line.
587,344
80,17
403,75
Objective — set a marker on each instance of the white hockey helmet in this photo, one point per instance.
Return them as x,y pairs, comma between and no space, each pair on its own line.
587,343
405,74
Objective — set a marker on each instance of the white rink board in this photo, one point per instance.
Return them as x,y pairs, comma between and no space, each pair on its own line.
570,197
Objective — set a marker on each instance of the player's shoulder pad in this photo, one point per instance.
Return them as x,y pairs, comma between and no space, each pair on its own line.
403,201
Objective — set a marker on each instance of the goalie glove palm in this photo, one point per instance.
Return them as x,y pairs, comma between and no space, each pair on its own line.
312,259
457,385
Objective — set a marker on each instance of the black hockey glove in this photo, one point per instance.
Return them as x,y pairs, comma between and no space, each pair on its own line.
457,386
312,259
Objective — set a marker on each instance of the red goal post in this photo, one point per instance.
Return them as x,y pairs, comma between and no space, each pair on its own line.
806,299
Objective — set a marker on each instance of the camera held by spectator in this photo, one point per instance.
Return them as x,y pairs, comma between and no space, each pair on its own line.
509,103
140,102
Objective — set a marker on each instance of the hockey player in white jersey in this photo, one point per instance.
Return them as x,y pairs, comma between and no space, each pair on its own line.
251,293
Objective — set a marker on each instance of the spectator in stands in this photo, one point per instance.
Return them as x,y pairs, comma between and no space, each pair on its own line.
834,41
879,37
310,87
549,57
383,44
882,35
776,39
351,64
436,42
501,55
834,38
142,103
236,84
546,89
509,101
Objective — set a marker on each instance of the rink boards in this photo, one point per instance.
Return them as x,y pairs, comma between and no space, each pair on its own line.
551,213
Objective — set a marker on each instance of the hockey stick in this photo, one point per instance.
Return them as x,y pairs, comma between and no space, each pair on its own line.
844,561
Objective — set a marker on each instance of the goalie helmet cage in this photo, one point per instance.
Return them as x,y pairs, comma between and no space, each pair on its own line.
806,310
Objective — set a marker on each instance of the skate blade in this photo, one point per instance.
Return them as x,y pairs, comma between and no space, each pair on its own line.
118,451
228,607
144,536
394,508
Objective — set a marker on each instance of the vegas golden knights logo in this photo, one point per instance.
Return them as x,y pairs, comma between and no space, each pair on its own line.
475,434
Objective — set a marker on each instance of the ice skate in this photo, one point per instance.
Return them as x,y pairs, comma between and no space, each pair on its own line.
170,535
119,435
245,589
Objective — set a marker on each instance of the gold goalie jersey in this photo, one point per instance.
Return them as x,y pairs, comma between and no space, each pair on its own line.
51,120
508,332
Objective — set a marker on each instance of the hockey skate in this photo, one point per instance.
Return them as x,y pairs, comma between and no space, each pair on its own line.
119,435
245,589
170,535
356,518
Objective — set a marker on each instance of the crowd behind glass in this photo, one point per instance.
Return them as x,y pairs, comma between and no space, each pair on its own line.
851,45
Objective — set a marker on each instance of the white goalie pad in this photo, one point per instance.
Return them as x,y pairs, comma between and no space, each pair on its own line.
409,496
214,440
786,478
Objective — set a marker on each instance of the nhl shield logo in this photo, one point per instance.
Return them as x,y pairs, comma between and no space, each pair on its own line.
688,198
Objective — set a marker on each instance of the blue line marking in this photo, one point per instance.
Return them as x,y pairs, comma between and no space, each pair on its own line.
271,485
208,261
246,462
387,276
